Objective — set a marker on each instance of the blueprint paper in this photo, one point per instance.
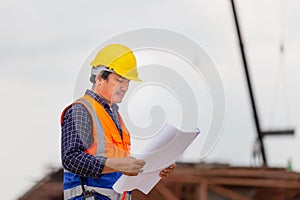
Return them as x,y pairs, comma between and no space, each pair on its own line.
162,151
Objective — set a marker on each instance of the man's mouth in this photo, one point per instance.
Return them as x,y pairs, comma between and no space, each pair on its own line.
121,94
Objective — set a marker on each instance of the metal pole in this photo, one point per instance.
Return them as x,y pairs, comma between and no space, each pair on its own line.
260,137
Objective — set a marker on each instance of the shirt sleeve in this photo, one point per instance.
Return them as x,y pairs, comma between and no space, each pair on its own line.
76,137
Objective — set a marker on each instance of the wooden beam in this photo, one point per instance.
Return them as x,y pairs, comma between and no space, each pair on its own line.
163,190
182,179
177,190
274,173
203,190
227,193
256,182
278,132
43,190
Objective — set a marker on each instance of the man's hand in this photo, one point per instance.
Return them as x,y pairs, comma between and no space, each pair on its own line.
129,166
167,171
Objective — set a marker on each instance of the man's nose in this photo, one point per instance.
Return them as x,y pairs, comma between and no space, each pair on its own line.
125,85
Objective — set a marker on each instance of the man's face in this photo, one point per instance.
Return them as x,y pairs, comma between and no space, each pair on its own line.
113,89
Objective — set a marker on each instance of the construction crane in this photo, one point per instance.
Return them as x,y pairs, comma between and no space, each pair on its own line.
260,134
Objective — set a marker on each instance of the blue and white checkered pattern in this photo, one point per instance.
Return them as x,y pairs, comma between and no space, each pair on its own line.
77,136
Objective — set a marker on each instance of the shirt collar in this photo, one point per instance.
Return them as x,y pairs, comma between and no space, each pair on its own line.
101,100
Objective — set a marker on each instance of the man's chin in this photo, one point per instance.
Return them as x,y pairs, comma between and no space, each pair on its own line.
118,100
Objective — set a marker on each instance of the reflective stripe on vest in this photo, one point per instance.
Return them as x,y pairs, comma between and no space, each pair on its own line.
77,191
97,129
114,145
106,142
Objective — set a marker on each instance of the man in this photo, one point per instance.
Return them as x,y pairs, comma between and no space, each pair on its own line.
95,142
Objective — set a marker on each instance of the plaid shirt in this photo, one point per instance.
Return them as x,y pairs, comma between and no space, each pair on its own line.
77,128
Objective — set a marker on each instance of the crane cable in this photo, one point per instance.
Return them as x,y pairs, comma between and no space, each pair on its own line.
280,85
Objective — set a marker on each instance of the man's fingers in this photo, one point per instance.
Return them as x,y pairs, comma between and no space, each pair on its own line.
140,162
167,171
130,174
135,165
173,166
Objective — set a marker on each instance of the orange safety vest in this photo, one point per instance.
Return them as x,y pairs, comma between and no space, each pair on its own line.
107,142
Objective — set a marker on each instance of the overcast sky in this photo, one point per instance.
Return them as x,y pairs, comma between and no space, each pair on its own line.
43,45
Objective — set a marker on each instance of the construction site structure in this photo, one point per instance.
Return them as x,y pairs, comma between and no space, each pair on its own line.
200,181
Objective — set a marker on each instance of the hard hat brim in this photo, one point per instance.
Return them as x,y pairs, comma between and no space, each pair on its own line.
100,69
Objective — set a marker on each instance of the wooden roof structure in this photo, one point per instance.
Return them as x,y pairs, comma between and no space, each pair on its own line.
200,182
49,188
203,182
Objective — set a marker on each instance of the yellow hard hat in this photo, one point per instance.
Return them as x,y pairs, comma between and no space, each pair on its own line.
118,58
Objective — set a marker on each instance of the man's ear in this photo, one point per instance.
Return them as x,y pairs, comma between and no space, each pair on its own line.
98,79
